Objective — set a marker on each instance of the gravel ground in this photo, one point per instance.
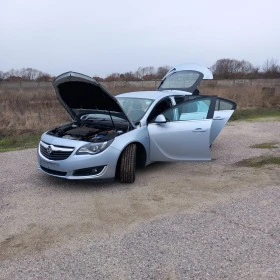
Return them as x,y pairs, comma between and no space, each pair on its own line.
214,220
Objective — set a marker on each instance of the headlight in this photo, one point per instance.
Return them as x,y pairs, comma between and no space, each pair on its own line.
93,148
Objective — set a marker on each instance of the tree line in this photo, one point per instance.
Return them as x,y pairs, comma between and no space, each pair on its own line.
225,68
241,69
25,74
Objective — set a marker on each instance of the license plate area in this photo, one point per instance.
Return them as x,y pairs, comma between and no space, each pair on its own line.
49,165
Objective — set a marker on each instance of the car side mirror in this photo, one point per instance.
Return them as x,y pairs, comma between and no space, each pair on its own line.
160,119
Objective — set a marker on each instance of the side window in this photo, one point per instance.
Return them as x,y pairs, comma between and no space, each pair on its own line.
162,106
192,110
222,104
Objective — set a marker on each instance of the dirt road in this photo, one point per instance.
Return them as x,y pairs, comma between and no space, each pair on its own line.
206,220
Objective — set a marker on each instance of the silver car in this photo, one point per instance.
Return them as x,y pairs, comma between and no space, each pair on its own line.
109,136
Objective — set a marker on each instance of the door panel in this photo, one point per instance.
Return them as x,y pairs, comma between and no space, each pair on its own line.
180,140
219,121
223,110
186,134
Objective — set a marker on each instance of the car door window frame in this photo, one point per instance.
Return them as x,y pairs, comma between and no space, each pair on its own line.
219,99
167,99
210,112
176,97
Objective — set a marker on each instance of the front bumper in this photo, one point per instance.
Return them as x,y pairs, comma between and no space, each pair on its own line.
102,165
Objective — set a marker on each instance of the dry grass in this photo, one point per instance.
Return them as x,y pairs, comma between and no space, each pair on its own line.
245,97
28,112
259,161
266,145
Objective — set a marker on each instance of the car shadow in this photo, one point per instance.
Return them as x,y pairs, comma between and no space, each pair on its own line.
143,174
153,167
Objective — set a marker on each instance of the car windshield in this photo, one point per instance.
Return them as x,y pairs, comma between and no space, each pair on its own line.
180,80
135,108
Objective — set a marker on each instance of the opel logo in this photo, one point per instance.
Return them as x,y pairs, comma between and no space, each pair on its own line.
49,149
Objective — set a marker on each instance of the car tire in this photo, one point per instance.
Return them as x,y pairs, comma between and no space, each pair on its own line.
128,164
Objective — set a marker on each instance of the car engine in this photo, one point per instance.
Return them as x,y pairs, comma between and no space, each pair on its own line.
86,132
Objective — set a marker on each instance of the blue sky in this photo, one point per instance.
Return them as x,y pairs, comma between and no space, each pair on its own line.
101,37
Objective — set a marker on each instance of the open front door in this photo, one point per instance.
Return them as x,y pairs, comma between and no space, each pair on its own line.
223,110
184,132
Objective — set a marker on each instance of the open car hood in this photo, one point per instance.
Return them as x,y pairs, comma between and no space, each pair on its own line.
80,94
185,77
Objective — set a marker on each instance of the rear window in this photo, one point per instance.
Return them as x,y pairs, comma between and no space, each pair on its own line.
182,80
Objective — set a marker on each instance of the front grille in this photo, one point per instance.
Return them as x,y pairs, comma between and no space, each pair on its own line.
53,172
55,152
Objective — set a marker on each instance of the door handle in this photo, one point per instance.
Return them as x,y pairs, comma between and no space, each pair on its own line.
199,129
218,118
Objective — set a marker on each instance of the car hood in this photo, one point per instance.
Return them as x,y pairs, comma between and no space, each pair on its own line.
79,93
185,77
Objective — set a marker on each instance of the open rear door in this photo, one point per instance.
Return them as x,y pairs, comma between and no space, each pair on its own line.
223,111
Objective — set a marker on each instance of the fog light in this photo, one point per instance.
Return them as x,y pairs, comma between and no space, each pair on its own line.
88,171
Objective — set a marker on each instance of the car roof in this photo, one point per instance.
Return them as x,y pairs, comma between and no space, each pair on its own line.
147,94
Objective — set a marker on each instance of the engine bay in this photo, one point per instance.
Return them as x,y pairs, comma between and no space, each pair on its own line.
87,131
